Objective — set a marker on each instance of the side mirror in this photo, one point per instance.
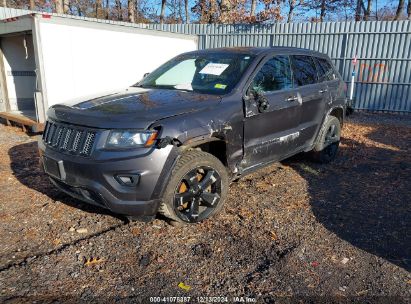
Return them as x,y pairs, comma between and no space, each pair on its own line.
262,101
145,75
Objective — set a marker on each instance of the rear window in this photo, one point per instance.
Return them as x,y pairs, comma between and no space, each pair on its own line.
325,70
304,70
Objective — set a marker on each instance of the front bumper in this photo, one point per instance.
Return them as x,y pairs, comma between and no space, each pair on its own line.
94,181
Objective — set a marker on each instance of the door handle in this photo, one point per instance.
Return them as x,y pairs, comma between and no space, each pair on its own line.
323,91
292,98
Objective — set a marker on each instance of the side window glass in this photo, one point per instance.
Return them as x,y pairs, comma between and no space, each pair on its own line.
275,75
320,71
328,69
304,70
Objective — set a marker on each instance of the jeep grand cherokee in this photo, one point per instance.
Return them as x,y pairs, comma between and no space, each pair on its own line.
172,143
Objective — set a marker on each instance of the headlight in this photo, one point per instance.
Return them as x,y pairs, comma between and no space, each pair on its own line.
131,139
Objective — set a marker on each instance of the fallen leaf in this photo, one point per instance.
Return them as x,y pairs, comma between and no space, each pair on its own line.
135,231
345,260
184,286
315,264
93,261
82,230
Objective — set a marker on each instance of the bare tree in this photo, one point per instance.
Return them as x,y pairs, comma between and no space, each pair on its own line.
409,10
32,5
225,7
99,8
367,11
292,4
400,8
180,11
187,11
107,9
322,10
358,9
59,7
4,3
66,6
131,11
163,10
253,7
324,6
119,10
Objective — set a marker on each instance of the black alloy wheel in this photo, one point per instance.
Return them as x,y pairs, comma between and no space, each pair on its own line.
197,194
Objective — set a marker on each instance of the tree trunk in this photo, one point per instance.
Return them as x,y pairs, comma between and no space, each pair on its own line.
367,12
376,10
400,8
107,9
203,16
119,10
99,5
409,10
358,10
163,11
59,7
32,5
225,10
187,11
78,7
322,10
291,10
180,12
131,11
254,6
66,6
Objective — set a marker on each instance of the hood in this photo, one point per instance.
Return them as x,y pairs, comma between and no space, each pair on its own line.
132,108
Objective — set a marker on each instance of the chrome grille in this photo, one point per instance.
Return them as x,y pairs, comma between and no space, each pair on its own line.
68,138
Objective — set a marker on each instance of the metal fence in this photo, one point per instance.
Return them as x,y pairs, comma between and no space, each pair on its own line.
383,50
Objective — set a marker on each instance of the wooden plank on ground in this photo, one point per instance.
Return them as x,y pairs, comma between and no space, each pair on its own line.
34,126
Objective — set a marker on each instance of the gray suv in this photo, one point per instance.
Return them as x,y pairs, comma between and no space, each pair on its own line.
172,143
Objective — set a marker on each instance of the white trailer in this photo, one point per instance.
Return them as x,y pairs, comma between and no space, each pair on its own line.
48,59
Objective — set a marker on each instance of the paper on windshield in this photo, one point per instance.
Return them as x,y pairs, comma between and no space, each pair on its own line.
184,86
214,69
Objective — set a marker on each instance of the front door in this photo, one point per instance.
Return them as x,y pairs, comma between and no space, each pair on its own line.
272,114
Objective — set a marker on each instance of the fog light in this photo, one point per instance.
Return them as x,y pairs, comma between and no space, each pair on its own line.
129,180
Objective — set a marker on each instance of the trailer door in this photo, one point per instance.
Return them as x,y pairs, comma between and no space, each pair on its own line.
19,66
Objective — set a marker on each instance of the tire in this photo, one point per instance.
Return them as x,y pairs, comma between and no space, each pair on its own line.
328,141
197,188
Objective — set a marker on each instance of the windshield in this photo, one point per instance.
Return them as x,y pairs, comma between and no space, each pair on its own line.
210,73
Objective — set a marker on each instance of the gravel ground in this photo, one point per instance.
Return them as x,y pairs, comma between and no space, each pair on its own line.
295,231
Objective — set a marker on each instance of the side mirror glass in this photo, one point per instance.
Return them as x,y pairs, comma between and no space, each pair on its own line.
261,100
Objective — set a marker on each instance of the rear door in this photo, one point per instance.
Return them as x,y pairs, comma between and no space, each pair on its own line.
327,74
313,102
270,134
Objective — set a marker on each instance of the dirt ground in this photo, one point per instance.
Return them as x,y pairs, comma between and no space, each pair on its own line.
295,231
